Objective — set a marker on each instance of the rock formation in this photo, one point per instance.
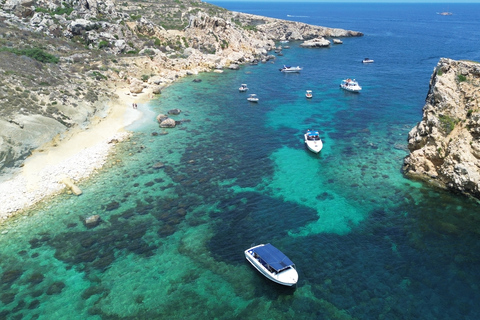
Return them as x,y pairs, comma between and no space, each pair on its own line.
445,146
316,43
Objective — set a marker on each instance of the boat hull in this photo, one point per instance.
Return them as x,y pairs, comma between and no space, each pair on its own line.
287,278
315,146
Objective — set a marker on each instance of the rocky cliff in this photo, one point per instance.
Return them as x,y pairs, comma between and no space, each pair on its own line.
60,61
445,146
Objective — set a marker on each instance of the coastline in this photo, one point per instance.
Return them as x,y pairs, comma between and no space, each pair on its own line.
74,157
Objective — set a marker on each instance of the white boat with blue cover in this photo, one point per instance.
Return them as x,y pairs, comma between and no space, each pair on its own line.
313,141
273,264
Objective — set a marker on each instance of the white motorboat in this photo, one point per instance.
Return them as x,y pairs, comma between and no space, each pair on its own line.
252,98
350,85
243,88
288,69
367,60
313,141
309,94
273,264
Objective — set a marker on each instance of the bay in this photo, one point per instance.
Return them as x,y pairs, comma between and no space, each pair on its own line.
367,242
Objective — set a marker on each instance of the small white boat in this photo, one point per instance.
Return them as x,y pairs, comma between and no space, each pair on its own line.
350,85
243,88
290,69
313,141
252,98
367,60
309,94
273,264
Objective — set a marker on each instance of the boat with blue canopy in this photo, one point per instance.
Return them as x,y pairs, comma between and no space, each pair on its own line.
273,264
313,141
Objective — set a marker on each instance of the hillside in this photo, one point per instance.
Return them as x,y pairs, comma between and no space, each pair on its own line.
61,61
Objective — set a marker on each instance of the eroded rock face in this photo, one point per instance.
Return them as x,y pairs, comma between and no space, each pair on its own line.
445,145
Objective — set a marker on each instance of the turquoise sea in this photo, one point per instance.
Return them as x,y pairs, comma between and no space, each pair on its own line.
367,242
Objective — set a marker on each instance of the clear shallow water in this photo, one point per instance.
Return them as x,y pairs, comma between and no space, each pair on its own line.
367,242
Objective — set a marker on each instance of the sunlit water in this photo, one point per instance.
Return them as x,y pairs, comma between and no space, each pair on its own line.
367,242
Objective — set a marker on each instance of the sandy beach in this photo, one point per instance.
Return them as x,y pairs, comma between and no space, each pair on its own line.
71,159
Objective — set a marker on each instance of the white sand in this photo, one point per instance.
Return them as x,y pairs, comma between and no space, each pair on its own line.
76,157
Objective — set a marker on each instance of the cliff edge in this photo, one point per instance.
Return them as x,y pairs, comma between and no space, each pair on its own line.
445,145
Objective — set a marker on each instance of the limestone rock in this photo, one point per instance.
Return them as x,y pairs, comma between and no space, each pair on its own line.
71,185
168,123
161,117
136,86
444,147
316,43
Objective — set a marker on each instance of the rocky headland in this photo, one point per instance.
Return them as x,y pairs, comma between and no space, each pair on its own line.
445,145
67,65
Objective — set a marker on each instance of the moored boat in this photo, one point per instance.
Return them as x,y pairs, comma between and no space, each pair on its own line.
273,264
289,69
350,85
309,94
313,141
243,88
253,98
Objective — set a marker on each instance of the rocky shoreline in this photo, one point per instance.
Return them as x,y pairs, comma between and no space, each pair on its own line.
90,53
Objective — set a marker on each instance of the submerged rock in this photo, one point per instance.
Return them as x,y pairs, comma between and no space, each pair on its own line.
92,221
174,111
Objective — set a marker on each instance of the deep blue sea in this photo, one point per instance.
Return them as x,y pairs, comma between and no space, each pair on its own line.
367,242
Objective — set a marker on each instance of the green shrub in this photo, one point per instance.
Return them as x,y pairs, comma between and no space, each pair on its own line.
461,78
33,53
469,112
447,123
439,72
98,76
103,44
